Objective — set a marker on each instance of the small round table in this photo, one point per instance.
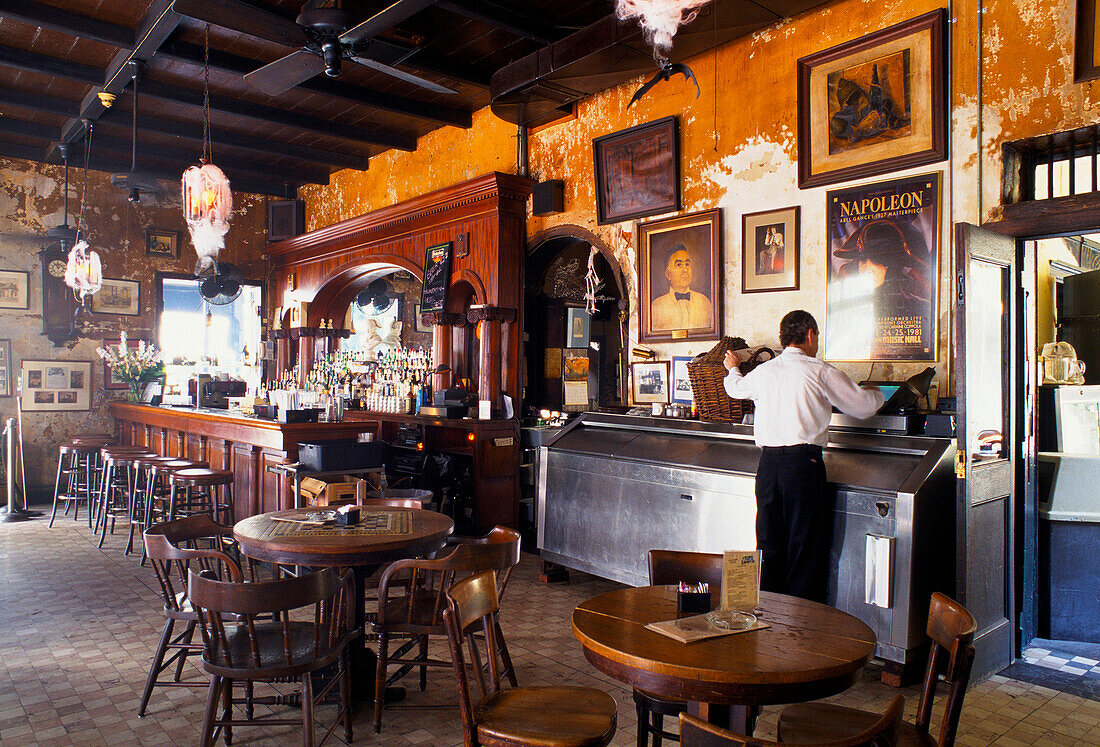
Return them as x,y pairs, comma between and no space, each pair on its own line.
810,651
382,536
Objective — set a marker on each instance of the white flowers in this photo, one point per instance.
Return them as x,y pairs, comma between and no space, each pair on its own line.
140,364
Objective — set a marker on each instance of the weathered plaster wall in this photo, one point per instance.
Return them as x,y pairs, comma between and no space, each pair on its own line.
738,145
31,200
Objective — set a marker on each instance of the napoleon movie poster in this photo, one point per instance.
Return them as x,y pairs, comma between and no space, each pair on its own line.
882,273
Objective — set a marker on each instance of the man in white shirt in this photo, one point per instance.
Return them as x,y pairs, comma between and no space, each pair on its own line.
794,395
681,307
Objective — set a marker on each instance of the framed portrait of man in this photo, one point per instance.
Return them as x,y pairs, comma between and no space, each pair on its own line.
679,279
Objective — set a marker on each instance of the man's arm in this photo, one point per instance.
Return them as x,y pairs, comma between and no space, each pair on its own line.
735,384
849,397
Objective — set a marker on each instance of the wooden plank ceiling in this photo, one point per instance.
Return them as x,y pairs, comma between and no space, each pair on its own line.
56,56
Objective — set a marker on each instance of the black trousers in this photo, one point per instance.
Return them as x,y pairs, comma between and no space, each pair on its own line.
794,521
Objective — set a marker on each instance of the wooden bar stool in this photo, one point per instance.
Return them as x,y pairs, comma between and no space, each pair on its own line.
73,483
201,490
153,488
117,482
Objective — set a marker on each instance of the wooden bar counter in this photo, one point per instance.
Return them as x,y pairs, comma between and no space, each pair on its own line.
243,444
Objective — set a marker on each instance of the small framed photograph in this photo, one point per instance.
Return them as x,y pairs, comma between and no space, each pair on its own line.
118,297
420,325
161,243
5,368
875,104
679,277
1086,66
681,384
14,289
577,326
638,171
769,250
650,382
56,385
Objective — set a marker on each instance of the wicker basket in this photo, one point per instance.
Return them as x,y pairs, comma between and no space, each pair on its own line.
705,372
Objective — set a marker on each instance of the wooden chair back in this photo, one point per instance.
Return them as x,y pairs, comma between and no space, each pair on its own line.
469,618
391,503
885,732
175,547
674,566
951,628
254,647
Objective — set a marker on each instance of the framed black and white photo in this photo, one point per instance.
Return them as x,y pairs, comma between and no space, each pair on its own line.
650,382
56,385
681,384
577,326
13,289
118,297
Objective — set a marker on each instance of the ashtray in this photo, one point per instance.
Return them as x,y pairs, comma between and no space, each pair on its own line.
729,620
347,518
693,602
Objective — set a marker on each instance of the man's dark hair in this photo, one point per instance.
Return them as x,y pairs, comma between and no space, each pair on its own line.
795,326
679,247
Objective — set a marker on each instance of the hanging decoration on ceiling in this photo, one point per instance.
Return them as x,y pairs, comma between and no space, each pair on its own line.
660,20
83,271
591,282
207,198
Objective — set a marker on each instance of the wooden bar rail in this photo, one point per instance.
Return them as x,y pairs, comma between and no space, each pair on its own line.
244,445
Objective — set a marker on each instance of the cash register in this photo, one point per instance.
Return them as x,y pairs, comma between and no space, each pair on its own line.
898,415
214,393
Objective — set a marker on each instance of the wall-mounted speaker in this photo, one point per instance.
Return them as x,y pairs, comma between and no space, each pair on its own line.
548,197
285,218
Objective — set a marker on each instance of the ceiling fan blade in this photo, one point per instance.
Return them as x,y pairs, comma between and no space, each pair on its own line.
245,18
416,80
286,72
384,19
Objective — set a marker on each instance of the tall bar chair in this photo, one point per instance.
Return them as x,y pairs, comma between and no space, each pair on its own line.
75,481
150,502
117,486
201,490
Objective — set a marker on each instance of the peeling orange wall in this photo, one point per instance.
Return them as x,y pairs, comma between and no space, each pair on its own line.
31,200
738,145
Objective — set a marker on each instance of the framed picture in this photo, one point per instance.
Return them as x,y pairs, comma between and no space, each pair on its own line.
110,381
56,385
881,279
118,297
162,243
679,284
5,368
13,289
577,326
638,171
650,382
769,250
681,384
420,326
875,104
437,278
1086,52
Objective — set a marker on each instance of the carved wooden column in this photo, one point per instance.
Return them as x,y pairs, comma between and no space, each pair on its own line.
489,368
442,324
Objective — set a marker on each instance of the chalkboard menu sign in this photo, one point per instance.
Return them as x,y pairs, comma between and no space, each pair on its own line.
437,276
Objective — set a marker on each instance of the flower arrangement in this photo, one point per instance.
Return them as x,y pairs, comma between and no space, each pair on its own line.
135,366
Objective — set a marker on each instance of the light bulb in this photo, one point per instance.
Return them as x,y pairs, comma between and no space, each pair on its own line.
209,197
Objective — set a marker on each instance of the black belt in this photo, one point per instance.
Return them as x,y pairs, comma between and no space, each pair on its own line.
795,449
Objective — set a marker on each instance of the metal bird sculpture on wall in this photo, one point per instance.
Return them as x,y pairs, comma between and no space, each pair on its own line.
666,71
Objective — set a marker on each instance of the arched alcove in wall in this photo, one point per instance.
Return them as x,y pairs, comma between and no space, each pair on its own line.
558,331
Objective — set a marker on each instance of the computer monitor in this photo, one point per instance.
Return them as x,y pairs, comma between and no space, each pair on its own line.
897,395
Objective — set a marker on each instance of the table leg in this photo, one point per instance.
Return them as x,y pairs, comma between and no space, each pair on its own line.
361,657
740,719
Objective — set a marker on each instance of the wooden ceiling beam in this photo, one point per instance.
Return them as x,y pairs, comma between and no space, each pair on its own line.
27,129
56,19
501,18
271,115
392,53
33,62
34,102
25,152
192,54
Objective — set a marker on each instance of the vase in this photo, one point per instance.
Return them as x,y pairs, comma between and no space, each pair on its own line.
133,393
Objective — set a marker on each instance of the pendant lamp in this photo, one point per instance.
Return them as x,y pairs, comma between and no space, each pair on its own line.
83,271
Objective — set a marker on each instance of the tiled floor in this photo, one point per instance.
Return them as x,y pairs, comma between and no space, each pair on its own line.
78,624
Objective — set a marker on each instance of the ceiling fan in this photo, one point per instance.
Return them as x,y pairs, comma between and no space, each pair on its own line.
224,286
135,181
329,37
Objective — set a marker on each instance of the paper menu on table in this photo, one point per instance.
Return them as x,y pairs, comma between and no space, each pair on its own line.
740,580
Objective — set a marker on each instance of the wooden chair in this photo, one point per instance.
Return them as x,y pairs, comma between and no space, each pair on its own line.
391,503
411,601
174,548
882,731
672,567
251,649
951,628
543,716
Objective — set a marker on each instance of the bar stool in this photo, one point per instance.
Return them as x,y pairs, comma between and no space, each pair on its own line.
118,483
151,493
197,490
74,466
101,471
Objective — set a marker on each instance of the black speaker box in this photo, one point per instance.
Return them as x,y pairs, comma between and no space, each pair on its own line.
285,219
548,197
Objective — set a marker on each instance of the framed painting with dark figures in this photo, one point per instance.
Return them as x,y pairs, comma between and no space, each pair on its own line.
679,277
770,250
161,243
118,297
875,104
638,171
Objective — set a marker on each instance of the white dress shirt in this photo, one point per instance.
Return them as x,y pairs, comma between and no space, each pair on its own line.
669,312
794,395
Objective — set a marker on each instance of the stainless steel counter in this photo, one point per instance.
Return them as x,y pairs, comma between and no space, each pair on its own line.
612,487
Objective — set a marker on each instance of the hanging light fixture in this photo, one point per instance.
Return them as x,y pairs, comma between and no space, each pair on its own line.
207,198
83,271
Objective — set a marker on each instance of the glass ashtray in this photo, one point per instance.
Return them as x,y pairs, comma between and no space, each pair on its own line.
729,620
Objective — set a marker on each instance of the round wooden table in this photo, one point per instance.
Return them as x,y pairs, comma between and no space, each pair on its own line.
382,536
810,651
